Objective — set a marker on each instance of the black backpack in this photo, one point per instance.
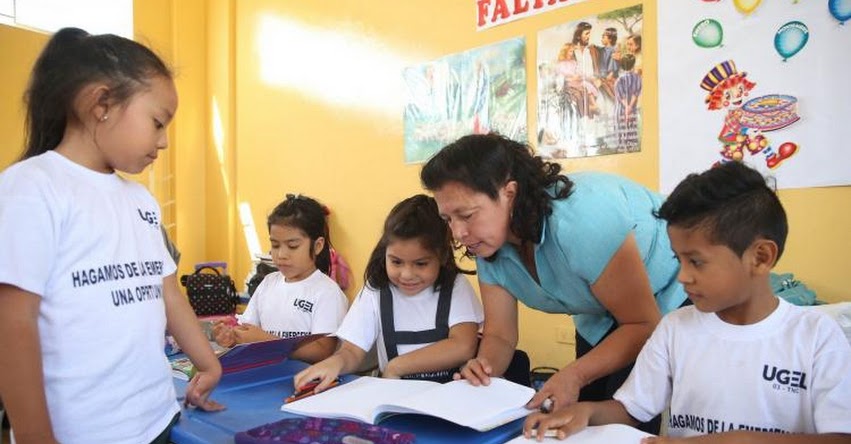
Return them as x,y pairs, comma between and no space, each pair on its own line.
260,272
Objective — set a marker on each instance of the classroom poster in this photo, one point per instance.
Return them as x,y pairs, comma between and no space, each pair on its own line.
490,13
478,91
762,82
589,85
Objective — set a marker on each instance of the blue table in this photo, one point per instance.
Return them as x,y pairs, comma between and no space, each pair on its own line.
254,397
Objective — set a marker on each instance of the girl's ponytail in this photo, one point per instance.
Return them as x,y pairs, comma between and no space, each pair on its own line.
51,91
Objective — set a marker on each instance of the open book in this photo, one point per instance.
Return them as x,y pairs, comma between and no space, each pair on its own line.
245,356
604,434
371,400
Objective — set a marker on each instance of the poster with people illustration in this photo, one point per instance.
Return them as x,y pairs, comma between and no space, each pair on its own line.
755,81
589,85
476,91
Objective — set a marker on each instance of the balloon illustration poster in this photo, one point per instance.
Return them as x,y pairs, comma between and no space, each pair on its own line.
762,82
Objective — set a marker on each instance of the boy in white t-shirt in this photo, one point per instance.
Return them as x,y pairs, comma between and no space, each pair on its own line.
741,365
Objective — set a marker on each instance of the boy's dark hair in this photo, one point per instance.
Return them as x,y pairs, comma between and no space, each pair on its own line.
627,62
612,34
486,162
72,59
416,217
733,203
308,215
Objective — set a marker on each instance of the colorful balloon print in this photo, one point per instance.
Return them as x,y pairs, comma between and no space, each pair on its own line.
746,6
707,33
791,38
840,10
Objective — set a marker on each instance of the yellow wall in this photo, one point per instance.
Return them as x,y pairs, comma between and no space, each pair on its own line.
18,50
291,138
265,137
196,172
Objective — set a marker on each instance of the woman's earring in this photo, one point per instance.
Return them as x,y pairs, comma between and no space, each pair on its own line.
105,116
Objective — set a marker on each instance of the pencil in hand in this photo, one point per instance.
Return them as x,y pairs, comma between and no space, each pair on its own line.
308,390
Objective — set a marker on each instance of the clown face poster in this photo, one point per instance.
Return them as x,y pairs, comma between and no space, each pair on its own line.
477,91
589,85
760,82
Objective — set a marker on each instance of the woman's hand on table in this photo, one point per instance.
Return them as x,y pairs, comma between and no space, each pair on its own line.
562,389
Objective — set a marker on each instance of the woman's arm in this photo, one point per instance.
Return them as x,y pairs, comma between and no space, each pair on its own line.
21,373
448,353
624,290
183,325
499,336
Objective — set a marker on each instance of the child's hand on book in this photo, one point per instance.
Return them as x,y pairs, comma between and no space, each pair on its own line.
223,334
245,333
477,371
199,389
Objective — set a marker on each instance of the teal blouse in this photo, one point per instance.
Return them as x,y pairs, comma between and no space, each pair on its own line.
579,239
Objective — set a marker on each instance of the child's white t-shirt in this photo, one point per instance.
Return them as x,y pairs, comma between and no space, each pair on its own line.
362,325
89,244
790,373
284,309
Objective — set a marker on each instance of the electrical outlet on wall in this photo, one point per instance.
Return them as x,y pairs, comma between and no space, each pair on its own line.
564,336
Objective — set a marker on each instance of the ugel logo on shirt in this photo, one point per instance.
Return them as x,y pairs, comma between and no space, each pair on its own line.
148,216
783,377
303,305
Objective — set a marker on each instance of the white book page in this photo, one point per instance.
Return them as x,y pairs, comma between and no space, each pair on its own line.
605,434
357,399
481,408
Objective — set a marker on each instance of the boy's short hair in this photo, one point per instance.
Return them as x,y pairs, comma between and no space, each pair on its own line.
612,35
732,202
627,62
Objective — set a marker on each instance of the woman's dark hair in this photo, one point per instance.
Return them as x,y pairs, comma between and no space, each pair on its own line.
308,215
733,203
416,217
486,162
72,59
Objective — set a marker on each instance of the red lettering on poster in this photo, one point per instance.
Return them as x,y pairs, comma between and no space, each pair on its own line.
483,10
501,10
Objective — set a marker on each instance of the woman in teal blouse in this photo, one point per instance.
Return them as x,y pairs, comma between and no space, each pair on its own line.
587,246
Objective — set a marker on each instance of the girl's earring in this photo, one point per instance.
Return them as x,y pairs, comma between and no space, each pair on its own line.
104,118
